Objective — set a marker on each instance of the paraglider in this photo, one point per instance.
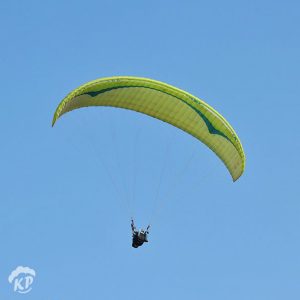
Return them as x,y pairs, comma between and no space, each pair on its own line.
166,103
139,237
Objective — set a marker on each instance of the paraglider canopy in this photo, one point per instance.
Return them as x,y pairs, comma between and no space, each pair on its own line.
166,103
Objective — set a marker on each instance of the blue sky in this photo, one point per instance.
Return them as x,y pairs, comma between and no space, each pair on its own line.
211,239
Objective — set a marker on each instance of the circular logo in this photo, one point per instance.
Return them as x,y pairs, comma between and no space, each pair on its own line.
22,279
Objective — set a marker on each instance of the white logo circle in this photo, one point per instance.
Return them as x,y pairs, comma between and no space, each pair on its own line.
22,279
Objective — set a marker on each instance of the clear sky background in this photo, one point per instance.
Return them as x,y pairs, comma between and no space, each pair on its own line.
60,213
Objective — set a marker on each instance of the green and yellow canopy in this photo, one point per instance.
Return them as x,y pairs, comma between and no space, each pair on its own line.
166,103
